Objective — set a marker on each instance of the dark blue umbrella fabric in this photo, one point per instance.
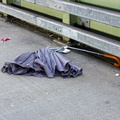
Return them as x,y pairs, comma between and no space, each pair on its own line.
43,62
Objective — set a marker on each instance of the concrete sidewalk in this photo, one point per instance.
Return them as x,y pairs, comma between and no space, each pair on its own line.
95,95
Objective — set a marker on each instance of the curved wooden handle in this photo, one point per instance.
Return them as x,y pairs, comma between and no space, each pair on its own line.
115,58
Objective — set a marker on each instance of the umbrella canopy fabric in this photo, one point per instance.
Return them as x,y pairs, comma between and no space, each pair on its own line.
43,62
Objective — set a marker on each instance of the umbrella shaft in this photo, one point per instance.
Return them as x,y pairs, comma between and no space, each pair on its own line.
87,51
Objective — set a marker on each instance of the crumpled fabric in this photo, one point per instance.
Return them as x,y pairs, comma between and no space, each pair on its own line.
43,62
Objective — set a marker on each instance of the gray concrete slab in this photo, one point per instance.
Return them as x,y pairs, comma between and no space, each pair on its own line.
95,95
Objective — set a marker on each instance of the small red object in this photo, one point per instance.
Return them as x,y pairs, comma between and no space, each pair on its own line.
5,39
48,34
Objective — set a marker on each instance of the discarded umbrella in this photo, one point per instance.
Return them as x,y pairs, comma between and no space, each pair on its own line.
43,62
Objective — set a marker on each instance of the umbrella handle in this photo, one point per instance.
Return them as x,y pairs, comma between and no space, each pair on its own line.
115,58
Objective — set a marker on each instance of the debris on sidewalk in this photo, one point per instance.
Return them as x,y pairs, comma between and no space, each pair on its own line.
4,39
43,62
117,74
65,49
